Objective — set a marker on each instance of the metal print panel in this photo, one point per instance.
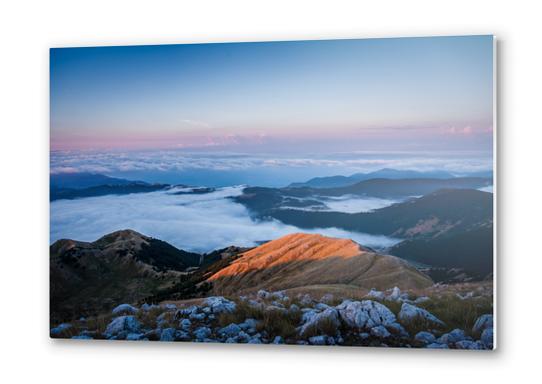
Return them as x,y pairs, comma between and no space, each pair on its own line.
333,192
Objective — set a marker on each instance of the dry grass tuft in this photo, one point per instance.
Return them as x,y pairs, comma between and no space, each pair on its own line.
323,327
148,318
457,313
277,323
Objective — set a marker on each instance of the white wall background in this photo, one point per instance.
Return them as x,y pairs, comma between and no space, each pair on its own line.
28,29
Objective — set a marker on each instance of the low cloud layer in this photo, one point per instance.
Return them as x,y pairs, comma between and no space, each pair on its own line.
198,223
222,169
352,204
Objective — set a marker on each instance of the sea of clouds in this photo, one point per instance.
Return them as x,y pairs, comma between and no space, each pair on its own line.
196,222
226,168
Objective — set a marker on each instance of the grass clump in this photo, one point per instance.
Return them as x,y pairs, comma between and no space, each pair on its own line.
323,327
148,318
242,312
99,323
458,313
273,322
279,323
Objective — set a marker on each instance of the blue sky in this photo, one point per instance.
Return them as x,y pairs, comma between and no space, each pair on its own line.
373,94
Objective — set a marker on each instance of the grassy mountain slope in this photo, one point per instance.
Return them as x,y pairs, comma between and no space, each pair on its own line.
299,260
124,266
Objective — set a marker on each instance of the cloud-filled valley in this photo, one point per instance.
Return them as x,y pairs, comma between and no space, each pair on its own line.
194,222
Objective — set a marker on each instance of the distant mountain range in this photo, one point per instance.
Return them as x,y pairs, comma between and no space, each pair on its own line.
71,186
436,227
82,180
265,201
102,190
78,185
385,173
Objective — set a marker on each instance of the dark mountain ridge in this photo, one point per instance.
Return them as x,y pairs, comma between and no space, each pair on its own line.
443,210
81,180
451,228
124,265
385,173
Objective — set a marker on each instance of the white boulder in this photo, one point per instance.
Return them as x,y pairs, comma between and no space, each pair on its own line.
124,309
483,322
320,321
365,314
410,312
128,324
219,304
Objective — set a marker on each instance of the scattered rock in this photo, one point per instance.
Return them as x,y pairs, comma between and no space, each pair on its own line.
256,304
219,304
425,337
202,333
249,324
321,306
326,321
134,336
421,299
293,308
452,337
279,295
483,322
168,334
437,346
395,294
197,316
365,314
469,344
128,324
124,309
410,312
380,331
243,337
318,340
374,294
82,337
182,335
487,338
305,300
185,324
230,330
161,319
327,298
278,340
183,312
58,330
397,329
466,296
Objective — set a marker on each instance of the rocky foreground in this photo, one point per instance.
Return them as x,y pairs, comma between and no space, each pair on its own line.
381,319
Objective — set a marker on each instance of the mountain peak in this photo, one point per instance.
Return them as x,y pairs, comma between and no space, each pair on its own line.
122,235
305,246
301,259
